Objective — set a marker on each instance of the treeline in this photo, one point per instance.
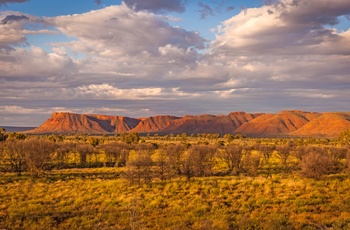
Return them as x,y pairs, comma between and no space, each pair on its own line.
144,162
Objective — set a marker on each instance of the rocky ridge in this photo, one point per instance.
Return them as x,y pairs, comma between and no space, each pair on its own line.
285,123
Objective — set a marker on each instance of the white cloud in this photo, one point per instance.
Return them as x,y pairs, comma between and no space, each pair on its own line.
14,109
34,61
13,29
108,91
292,47
120,30
121,61
292,29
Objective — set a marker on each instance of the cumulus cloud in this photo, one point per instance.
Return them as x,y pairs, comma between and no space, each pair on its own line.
293,28
108,91
116,41
122,30
10,109
13,29
156,5
122,61
285,53
35,62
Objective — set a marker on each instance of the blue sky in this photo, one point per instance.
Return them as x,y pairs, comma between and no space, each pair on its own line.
143,58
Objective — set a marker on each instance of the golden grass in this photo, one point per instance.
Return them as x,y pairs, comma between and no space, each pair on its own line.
97,199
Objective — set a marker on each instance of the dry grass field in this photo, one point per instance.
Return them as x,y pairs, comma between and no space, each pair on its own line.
98,199
89,187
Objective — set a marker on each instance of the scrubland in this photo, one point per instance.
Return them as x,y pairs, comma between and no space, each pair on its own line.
174,182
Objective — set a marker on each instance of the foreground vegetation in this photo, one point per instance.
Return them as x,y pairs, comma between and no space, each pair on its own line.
96,199
173,182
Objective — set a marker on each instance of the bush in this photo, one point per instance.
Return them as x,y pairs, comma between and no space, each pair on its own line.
38,154
13,154
316,164
199,160
139,165
250,164
232,156
347,168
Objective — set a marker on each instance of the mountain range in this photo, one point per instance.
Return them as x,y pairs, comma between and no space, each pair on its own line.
285,123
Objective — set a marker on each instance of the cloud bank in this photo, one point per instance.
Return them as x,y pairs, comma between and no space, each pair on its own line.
129,60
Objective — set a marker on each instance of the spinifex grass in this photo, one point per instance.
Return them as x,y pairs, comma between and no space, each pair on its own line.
99,199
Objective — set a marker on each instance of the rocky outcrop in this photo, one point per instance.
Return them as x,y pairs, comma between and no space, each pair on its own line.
154,124
326,125
272,125
285,123
64,123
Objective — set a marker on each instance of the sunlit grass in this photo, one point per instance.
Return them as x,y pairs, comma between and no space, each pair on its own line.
99,199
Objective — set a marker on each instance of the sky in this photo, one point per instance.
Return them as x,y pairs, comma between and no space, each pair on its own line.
141,58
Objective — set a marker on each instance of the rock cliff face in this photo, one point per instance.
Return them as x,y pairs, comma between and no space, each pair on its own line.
285,123
82,123
209,123
154,124
325,125
282,124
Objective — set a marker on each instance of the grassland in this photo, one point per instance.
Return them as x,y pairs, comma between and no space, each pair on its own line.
115,183
99,199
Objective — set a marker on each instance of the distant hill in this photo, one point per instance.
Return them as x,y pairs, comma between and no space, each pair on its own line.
16,128
325,125
285,123
209,123
66,123
281,124
154,124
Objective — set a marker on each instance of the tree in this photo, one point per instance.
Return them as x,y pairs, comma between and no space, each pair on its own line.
62,151
250,163
93,141
338,155
232,155
84,150
130,137
284,152
347,163
14,155
198,161
184,136
228,137
17,136
344,137
139,164
266,151
239,136
316,164
175,153
162,163
187,166
300,152
38,153
215,136
116,153
3,134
